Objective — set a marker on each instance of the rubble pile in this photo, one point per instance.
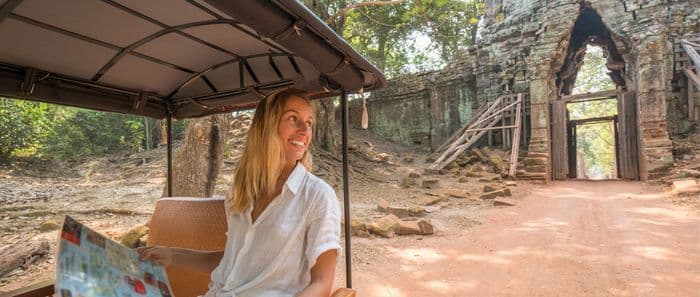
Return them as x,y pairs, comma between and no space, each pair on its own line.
684,177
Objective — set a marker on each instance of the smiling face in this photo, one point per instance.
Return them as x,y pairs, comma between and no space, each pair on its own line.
295,128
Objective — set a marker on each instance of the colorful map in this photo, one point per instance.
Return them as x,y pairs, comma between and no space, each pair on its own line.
89,264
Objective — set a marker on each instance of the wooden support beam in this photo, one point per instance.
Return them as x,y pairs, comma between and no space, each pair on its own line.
477,115
451,157
495,113
491,128
692,53
691,99
504,121
592,120
516,140
41,289
463,137
590,96
692,77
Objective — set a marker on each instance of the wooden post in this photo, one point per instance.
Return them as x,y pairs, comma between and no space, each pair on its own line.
559,141
512,171
691,99
504,122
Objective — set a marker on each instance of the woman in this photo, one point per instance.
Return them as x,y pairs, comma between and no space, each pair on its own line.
283,222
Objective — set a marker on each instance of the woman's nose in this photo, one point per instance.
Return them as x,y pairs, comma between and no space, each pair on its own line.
303,126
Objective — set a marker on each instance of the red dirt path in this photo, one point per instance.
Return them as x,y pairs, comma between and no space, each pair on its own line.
564,239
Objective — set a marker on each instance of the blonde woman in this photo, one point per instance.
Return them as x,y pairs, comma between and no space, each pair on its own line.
283,222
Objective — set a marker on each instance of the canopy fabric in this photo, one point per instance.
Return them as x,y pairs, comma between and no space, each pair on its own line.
187,57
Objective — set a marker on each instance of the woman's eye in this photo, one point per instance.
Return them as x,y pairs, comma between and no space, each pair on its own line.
310,124
293,118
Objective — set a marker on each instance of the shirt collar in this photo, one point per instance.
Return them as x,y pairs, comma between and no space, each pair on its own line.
296,178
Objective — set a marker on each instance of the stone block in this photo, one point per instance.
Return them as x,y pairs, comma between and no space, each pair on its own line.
408,228
431,183
408,182
490,188
493,194
504,202
682,173
458,194
686,186
426,227
384,226
401,212
382,205
433,200
417,211
131,238
49,225
529,161
536,169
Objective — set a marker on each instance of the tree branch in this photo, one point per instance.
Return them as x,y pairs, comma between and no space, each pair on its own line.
362,4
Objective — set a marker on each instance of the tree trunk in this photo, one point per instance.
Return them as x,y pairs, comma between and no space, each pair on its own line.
22,255
381,63
163,139
325,125
198,159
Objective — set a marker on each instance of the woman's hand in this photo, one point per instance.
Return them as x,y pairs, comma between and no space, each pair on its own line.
161,255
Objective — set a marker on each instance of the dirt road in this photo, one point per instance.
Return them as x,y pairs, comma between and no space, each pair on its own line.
563,239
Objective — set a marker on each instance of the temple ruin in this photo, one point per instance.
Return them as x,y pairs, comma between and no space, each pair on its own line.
536,48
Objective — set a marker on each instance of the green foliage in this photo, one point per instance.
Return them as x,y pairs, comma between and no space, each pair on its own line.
32,129
21,123
88,132
450,24
595,142
592,109
592,76
403,36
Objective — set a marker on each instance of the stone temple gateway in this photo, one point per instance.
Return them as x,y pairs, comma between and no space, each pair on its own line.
536,47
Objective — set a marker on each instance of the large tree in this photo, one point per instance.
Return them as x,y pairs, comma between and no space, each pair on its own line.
381,30
385,32
198,159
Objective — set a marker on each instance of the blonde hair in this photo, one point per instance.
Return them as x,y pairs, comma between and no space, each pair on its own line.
263,156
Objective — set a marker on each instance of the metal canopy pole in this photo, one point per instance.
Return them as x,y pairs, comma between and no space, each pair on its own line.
346,195
170,152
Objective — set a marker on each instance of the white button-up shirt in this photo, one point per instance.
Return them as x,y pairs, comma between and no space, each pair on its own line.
273,256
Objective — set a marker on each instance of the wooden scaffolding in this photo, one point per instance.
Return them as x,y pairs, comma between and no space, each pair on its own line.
687,61
506,110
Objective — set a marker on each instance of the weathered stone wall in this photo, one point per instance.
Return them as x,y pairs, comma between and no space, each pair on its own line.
424,109
524,44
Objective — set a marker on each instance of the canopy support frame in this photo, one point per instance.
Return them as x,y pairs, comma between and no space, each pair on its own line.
346,192
169,132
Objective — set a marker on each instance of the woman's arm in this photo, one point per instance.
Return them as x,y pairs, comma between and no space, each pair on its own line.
322,276
204,261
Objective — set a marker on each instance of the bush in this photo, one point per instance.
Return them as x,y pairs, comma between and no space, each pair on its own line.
22,123
41,130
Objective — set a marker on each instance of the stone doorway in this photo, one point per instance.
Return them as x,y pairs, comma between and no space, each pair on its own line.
592,130
621,121
589,29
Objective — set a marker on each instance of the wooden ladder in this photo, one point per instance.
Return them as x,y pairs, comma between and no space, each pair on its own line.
487,117
690,48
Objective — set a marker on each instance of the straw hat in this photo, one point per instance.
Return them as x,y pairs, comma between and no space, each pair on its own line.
194,223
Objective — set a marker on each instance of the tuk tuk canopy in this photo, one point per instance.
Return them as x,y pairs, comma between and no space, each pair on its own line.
183,58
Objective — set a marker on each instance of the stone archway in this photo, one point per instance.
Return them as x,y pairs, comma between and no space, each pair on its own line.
589,29
642,64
